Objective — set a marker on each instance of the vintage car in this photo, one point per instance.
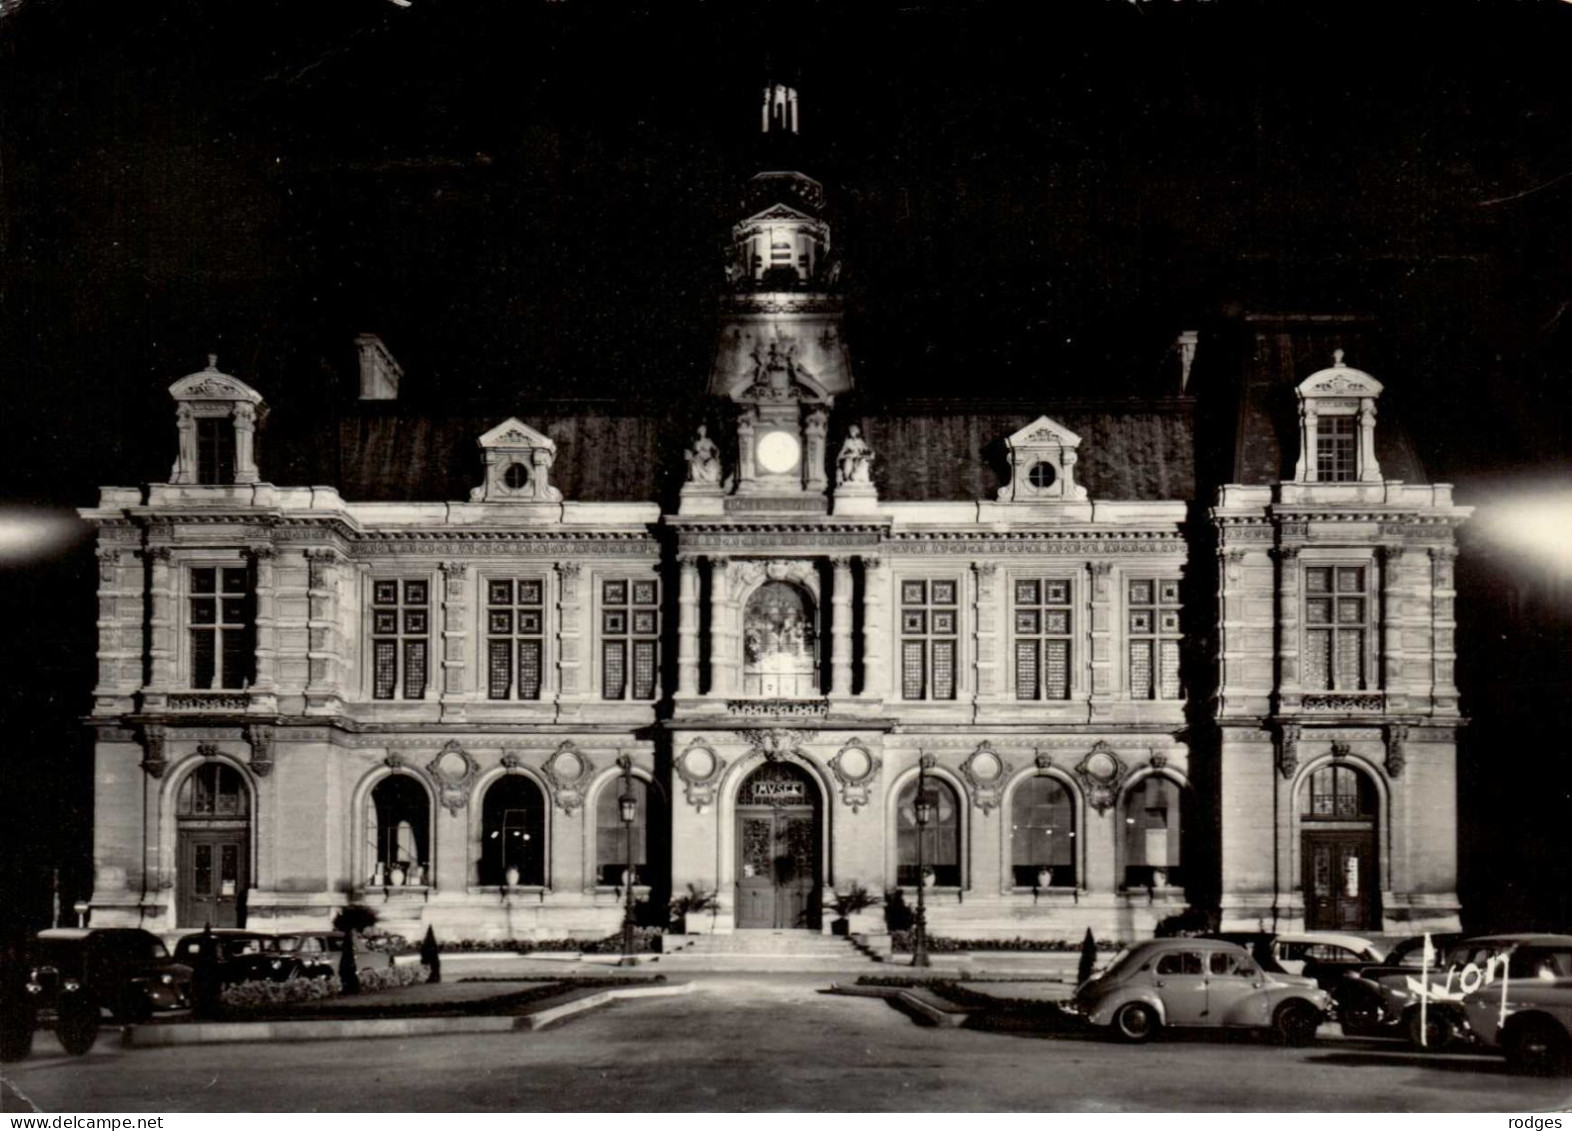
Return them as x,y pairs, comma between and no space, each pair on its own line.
1385,1001
1530,1021
1210,983
1326,956
123,970
240,956
318,952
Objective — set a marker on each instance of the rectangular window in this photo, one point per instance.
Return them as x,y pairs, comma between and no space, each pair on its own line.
1336,448
1152,614
1041,608
215,449
930,625
222,627
1337,628
630,638
400,637
515,637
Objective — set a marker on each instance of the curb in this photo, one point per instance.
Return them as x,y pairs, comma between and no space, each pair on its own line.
370,1028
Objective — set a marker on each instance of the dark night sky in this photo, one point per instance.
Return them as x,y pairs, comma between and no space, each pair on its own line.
527,198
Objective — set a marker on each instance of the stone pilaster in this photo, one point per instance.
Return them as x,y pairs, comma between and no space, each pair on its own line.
688,625
324,638
1443,629
265,597
245,446
1288,647
1100,624
841,627
119,630
719,643
985,630
455,638
570,661
814,452
162,646
875,662
1392,621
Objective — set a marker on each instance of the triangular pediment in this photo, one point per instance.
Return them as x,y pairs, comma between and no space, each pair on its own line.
779,212
1043,431
514,433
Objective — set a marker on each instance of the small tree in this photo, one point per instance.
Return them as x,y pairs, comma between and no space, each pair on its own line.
430,956
1088,958
205,986
355,917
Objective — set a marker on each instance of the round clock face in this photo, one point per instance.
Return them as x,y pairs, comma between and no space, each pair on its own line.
778,451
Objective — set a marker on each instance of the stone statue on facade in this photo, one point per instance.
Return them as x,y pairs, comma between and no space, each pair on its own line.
703,458
854,464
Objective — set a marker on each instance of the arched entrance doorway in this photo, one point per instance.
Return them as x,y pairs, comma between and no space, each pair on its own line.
778,833
1337,845
213,847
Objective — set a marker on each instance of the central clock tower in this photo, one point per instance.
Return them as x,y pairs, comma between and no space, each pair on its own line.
780,358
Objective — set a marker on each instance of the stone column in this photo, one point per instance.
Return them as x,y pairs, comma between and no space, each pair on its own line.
266,626
720,660
841,627
245,451
1306,469
569,658
1369,470
455,638
323,654
875,664
745,451
1443,629
162,648
1392,626
1101,613
985,627
185,469
688,625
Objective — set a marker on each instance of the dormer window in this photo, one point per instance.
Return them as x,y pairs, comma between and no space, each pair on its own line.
1042,464
217,416
1337,426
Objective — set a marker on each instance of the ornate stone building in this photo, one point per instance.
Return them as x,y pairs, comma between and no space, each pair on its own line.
1122,701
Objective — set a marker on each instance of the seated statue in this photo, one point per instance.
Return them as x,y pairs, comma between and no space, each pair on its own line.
703,459
855,462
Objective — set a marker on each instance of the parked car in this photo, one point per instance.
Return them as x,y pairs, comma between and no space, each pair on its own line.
1326,956
318,952
123,970
241,956
1536,1035
1186,982
1385,1001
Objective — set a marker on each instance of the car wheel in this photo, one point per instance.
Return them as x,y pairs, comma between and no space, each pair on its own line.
1441,1030
76,1023
1538,1047
1360,1013
1136,1022
1295,1023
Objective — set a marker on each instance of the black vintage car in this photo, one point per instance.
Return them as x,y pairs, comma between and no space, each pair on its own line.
76,975
240,956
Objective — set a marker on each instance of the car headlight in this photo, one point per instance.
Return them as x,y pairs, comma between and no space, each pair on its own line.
167,979
70,985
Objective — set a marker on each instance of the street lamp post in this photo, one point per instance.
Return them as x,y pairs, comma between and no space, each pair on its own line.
923,807
629,806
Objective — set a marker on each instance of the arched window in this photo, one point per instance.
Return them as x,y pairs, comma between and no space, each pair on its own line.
513,832
612,836
1153,816
213,790
398,832
1042,834
780,642
941,838
1338,793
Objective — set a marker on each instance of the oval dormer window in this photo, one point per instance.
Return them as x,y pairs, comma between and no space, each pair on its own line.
1042,475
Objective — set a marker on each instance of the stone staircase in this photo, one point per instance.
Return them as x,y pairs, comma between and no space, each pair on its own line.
767,950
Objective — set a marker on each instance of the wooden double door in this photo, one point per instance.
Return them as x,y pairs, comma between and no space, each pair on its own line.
778,866
214,876
1340,878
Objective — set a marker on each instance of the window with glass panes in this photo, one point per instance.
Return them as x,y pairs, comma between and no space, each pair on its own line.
223,643
400,637
1042,638
215,449
1340,792
630,632
1336,448
928,638
1337,627
515,637
1153,622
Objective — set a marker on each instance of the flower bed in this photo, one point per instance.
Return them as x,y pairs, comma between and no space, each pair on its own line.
901,943
244,997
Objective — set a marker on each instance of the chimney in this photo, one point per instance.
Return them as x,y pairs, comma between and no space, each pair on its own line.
1186,344
379,372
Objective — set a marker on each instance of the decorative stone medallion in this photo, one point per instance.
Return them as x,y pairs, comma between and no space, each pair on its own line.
568,771
453,770
700,768
855,767
986,772
1102,771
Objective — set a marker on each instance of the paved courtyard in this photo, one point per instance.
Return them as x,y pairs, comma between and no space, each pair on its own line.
761,1042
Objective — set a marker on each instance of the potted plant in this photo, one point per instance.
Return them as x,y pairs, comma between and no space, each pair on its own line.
695,901
848,903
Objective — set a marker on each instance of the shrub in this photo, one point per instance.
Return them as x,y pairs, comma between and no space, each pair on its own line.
901,942
267,995
897,912
854,899
1190,921
393,977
